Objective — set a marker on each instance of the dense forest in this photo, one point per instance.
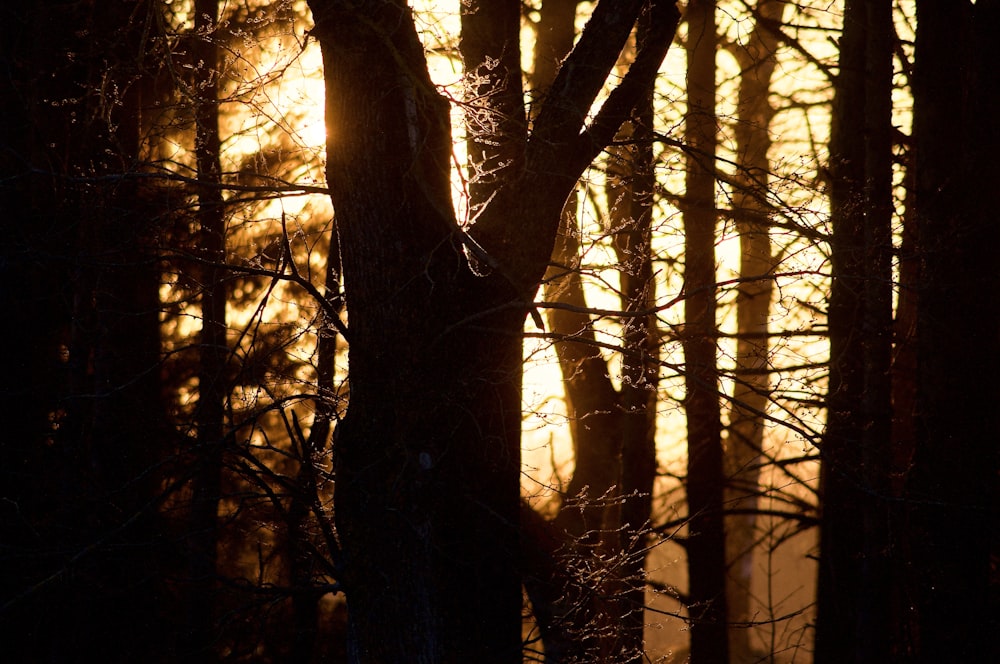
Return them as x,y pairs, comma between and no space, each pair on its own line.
500,331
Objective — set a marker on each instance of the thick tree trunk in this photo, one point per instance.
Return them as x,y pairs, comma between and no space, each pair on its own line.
705,476
952,487
428,455
855,572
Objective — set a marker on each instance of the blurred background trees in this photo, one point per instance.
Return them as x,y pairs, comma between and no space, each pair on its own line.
755,412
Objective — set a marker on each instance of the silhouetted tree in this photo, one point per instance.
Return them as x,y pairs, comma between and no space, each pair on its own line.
705,480
854,583
952,485
428,454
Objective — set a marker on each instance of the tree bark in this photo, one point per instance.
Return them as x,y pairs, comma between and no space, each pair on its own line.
428,454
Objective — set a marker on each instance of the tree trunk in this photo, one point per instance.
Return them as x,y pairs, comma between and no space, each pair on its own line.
855,572
587,522
305,509
428,454
705,478
84,278
952,488
427,457
212,345
631,214
751,393
610,492
571,613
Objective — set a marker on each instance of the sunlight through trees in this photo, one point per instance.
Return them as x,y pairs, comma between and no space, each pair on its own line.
507,331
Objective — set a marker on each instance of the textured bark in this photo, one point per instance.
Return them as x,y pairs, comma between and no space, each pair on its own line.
427,455
705,476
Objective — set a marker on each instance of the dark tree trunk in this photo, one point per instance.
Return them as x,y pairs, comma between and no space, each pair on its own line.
212,346
854,614
570,613
705,477
495,118
428,454
586,523
952,486
631,214
81,287
306,508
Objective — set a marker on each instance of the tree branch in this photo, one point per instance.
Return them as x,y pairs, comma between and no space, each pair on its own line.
653,47
583,74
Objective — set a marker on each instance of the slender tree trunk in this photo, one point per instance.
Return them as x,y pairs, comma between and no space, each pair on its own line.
904,408
583,627
305,509
952,487
212,382
751,393
609,503
495,119
855,588
573,620
632,215
839,575
705,478
630,202
875,610
591,398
